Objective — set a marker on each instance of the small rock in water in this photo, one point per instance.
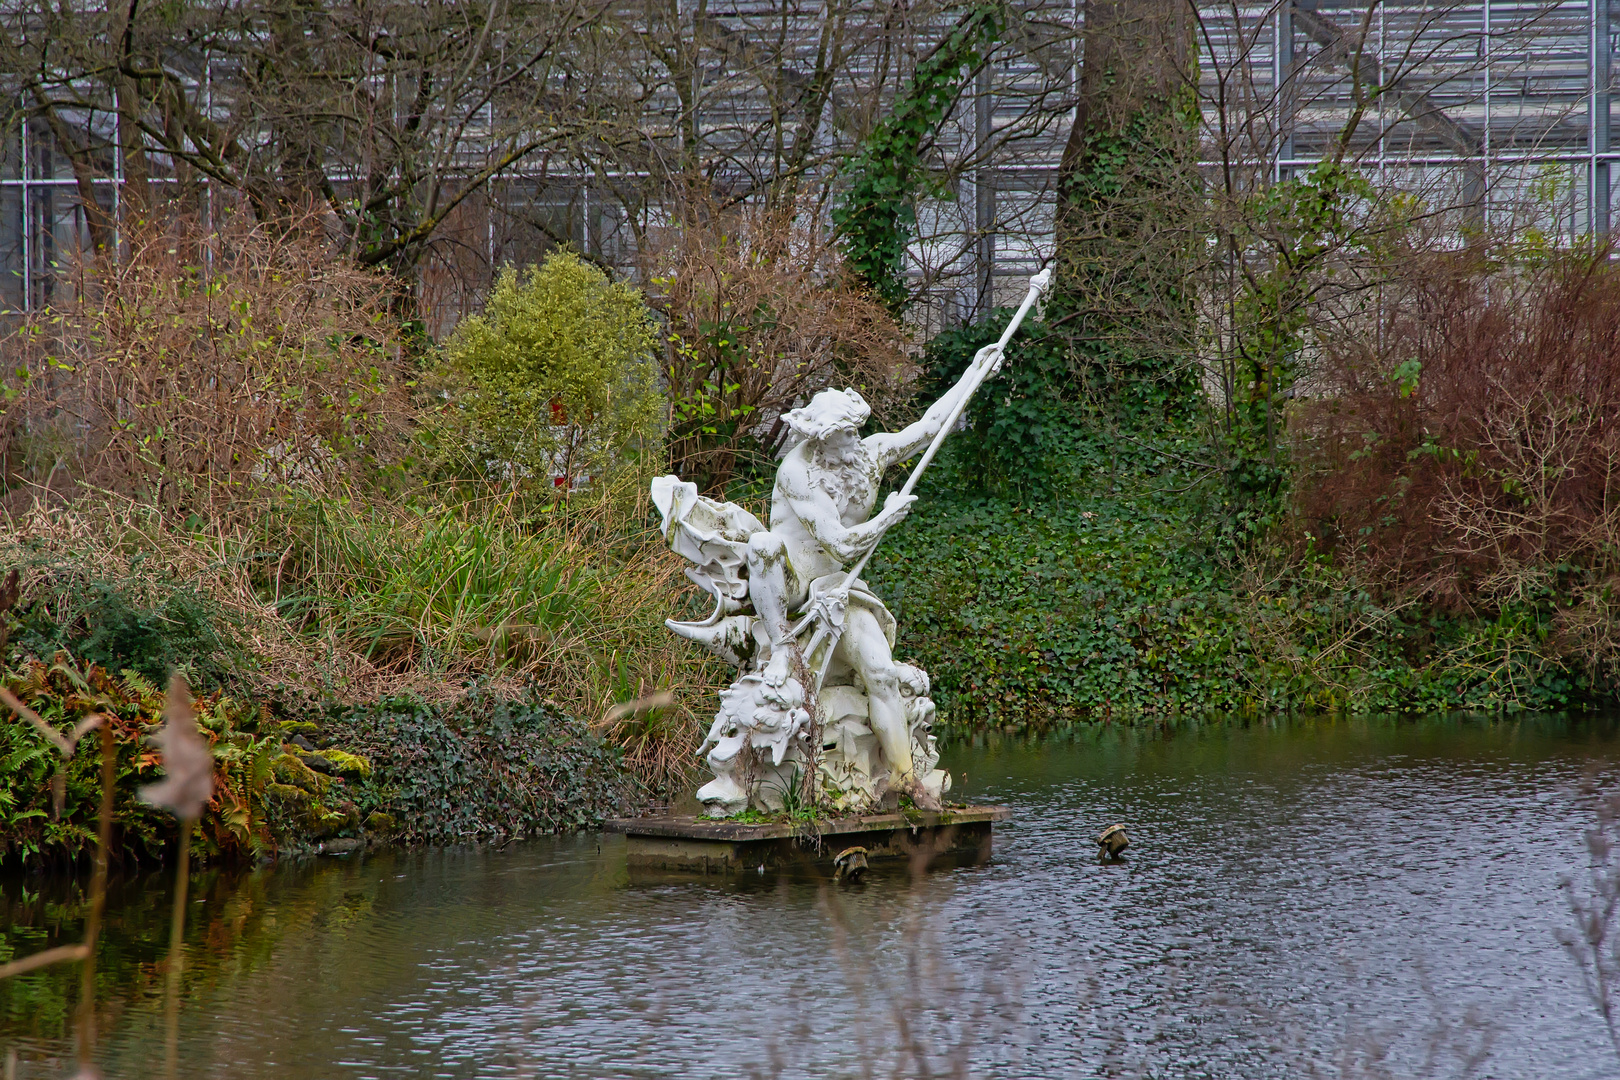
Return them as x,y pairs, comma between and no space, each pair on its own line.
342,846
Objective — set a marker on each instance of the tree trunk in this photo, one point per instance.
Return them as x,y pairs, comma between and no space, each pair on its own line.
136,189
1127,192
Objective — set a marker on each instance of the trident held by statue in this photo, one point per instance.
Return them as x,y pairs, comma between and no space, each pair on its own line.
827,608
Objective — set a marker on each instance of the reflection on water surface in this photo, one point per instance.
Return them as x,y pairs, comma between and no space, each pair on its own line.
1349,897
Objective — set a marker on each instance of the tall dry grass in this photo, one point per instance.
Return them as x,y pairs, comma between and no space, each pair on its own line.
353,599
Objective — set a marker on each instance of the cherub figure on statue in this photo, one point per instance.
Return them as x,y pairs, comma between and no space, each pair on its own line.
820,696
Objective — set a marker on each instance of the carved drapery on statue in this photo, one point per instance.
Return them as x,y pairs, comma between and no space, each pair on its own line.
762,743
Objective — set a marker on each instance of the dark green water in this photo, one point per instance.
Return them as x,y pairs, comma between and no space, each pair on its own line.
1351,898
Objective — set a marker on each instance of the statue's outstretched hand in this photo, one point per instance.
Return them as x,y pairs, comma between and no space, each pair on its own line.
989,358
897,506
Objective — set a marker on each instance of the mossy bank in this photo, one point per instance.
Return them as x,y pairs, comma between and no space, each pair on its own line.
477,767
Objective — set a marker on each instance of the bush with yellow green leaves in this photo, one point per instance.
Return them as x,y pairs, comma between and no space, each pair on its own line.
556,382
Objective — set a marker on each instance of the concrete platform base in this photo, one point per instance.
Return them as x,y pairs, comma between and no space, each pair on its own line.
836,847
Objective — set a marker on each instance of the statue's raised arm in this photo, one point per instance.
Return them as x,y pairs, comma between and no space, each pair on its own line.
893,447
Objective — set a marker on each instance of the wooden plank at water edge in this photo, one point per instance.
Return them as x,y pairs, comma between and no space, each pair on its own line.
842,847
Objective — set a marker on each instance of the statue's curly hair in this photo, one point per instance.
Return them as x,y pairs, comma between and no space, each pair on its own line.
827,412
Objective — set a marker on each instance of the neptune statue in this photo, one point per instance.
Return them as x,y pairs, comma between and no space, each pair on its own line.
821,714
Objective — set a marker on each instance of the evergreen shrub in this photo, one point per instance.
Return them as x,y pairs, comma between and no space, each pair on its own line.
556,381
151,626
483,767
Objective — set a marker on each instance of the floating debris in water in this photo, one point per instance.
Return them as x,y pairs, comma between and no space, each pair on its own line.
850,864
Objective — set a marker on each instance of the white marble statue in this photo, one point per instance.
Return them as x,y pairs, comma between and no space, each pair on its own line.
822,712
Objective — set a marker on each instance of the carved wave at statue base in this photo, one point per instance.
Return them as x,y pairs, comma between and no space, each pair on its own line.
761,738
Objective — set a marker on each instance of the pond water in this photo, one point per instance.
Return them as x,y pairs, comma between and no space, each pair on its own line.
1336,898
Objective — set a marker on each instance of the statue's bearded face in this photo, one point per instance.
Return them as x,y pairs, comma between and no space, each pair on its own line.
841,447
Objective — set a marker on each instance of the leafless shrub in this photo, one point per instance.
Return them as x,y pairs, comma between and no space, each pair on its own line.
204,363
1467,451
1594,943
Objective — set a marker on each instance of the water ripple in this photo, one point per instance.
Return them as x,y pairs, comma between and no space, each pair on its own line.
1337,899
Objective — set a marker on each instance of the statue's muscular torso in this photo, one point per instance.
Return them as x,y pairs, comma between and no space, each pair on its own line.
827,487
806,488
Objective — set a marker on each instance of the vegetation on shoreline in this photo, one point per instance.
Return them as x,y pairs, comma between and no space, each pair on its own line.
369,568
1445,536
304,564
361,643
1112,603
1074,559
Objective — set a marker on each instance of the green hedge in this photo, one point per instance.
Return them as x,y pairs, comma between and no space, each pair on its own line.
482,767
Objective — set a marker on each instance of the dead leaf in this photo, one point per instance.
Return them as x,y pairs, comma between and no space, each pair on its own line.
663,699
188,765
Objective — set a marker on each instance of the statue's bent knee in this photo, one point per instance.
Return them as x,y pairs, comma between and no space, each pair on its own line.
884,680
